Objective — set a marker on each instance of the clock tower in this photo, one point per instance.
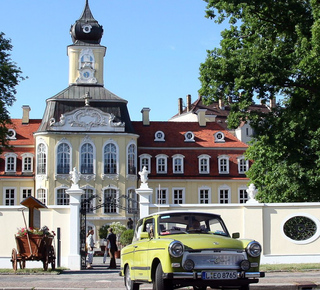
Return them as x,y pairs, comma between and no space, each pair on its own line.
86,54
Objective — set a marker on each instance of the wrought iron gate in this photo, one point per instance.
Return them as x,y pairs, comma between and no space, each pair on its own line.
87,207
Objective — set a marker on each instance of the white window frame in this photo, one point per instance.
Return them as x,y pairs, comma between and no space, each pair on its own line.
112,142
220,165
146,157
201,199
132,143
10,160
182,198
224,200
113,188
159,136
10,199
205,157
30,189
219,137
159,197
44,160
189,137
243,165
44,197
165,165
175,159
88,140
63,141
25,157
65,197
245,197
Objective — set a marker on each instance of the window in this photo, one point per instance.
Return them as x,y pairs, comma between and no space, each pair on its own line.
204,195
42,195
27,162
26,192
204,164
132,202
62,197
88,193
178,163
110,159
110,195
63,158
243,195
132,159
161,163
189,137
9,196
178,195
11,134
242,165
159,136
224,194
42,159
162,196
219,137
223,163
145,160
11,162
87,157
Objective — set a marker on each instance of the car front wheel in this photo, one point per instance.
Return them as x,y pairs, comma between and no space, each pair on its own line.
130,285
159,283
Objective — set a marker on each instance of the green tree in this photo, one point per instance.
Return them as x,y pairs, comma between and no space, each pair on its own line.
271,50
10,76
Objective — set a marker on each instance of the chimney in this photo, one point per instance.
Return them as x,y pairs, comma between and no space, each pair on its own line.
25,114
202,117
180,107
272,102
221,104
188,103
145,116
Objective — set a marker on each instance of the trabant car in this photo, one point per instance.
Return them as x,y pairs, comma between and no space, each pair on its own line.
176,249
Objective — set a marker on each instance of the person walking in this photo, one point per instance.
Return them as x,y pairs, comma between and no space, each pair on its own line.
90,246
112,247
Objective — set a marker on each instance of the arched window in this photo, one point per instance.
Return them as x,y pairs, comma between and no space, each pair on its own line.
62,197
110,159
11,162
42,159
132,201
243,165
88,193
109,196
42,195
223,163
204,165
178,163
132,159
63,158
86,159
27,162
161,160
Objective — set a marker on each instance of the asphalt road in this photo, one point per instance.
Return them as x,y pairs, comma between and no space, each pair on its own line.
102,278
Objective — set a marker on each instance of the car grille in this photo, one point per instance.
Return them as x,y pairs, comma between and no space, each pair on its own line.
213,259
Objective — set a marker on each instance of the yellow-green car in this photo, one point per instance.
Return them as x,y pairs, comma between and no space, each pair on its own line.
177,249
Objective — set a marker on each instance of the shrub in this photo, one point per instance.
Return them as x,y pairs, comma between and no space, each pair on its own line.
126,237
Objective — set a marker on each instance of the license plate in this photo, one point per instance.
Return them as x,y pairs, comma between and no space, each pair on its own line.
219,275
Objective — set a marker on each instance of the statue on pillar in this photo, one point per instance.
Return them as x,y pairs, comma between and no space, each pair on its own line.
252,191
75,177
144,176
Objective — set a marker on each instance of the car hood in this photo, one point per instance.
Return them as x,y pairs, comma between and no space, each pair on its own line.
206,241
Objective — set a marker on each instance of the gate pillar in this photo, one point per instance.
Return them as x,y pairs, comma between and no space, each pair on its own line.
74,260
144,203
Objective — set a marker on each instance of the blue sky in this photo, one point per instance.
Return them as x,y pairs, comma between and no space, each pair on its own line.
154,50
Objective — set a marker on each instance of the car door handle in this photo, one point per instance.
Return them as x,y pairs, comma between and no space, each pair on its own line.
135,247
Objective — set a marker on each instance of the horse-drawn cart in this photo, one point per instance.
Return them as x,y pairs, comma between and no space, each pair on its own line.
33,244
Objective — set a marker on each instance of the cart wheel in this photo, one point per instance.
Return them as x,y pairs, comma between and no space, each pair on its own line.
52,258
14,259
45,258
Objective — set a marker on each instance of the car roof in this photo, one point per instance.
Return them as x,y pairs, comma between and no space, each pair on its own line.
180,211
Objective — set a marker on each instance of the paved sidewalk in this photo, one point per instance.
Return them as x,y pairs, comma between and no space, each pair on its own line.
102,278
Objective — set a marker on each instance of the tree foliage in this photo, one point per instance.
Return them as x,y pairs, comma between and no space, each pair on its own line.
271,50
10,76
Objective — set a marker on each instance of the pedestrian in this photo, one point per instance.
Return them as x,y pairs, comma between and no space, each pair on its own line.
112,248
106,252
90,246
130,224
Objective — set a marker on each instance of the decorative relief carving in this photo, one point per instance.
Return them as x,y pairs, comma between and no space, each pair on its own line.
87,119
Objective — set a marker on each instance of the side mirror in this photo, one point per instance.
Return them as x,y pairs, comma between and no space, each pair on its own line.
144,235
236,235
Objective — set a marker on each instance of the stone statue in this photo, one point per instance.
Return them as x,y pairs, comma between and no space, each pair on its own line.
144,174
75,176
252,191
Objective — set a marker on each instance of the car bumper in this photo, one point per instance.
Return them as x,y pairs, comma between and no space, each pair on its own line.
197,275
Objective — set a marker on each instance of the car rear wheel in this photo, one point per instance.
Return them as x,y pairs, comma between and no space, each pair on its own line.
159,283
130,285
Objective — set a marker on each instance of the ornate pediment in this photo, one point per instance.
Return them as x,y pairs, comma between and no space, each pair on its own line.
87,119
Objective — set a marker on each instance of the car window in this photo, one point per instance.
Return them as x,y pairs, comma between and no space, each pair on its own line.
138,230
149,227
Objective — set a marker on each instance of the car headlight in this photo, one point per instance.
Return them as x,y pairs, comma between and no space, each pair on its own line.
254,249
176,249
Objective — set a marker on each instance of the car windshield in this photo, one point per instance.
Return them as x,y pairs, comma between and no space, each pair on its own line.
191,223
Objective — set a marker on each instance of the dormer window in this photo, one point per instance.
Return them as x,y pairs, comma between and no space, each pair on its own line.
11,162
11,134
159,136
219,137
178,163
189,137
